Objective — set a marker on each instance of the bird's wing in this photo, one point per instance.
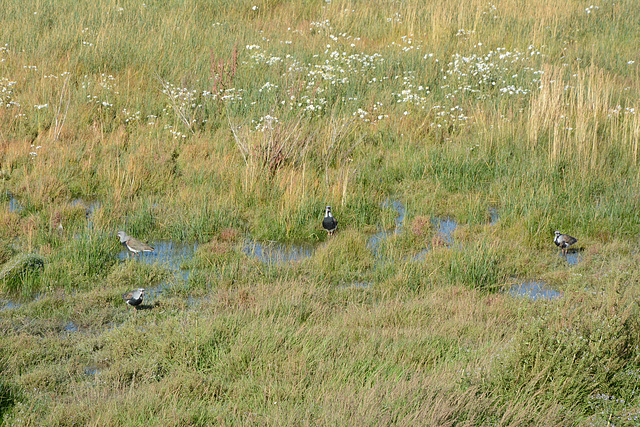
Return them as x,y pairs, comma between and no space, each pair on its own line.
147,247
139,245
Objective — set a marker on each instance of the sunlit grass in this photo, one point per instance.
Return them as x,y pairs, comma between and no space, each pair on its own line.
222,123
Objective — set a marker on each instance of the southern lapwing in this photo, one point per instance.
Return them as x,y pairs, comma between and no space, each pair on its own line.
563,241
329,223
134,298
134,245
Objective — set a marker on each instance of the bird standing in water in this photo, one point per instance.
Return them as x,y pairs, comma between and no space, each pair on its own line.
133,244
563,241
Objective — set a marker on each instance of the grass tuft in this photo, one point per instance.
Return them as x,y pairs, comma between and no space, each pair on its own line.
477,266
21,274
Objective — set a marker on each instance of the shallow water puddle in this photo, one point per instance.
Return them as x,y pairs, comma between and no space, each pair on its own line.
420,256
90,208
276,253
14,205
493,216
400,209
92,371
534,290
71,327
8,305
374,241
168,254
196,302
572,258
445,228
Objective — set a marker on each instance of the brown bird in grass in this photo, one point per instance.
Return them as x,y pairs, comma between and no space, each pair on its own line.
563,241
133,244
134,298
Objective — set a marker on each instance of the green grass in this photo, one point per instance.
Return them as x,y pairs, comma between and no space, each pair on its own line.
21,274
223,123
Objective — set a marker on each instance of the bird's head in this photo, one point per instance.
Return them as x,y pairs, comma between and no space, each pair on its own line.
123,236
327,211
557,233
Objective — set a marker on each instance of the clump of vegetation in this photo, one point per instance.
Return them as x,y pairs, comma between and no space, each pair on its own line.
7,398
346,258
587,365
20,275
477,265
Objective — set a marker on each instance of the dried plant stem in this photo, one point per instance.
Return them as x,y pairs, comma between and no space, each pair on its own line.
57,128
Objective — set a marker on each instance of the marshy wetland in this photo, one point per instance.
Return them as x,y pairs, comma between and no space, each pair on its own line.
451,140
